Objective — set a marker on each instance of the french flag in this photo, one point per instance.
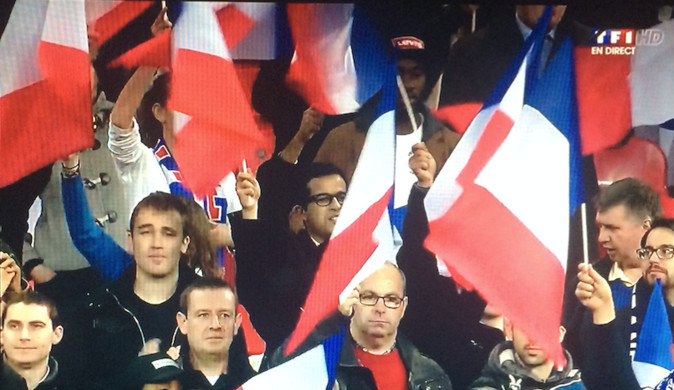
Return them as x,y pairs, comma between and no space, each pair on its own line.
45,86
653,360
213,121
323,71
312,370
363,238
618,92
499,210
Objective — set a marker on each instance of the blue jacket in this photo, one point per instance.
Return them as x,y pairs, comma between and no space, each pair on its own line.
100,250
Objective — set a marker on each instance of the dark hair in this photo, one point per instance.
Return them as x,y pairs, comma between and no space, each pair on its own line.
32,298
200,253
637,196
162,201
313,171
150,128
658,223
208,283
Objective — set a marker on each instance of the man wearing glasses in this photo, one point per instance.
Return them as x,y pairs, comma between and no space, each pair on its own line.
276,266
594,292
375,356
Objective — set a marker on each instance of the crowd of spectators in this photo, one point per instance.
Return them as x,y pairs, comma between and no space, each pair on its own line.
176,297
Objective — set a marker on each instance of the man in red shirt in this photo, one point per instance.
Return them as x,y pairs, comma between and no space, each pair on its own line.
374,355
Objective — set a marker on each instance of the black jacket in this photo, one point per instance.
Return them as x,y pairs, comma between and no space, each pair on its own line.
117,333
422,372
275,270
10,380
239,371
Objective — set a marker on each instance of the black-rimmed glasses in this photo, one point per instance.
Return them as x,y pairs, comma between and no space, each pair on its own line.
325,199
664,252
390,301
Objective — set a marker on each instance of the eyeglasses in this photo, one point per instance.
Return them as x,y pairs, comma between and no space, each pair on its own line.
325,199
390,301
664,252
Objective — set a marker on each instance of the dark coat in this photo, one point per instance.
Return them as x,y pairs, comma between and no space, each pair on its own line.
117,334
504,372
239,371
422,372
275,270
10,380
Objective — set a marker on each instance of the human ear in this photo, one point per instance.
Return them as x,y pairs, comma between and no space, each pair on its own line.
186,244
181,319
159,112
58,335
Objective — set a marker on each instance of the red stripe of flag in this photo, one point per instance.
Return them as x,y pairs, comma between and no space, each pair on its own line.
343,258
114,20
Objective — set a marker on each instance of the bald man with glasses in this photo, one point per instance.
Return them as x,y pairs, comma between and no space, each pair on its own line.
373,354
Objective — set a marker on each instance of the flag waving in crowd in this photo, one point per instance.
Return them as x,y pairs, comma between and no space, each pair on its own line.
362,239
45,86
516,153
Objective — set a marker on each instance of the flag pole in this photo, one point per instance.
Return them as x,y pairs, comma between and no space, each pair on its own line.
583,214
406,100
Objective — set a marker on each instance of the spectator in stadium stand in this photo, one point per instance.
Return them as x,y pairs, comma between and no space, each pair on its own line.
625,211
374,355
521,364
603,341
208,318
275,266
30,327
477,61
418,72
142,303
446,323
145,169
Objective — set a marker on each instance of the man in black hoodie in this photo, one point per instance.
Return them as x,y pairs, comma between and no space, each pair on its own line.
142,303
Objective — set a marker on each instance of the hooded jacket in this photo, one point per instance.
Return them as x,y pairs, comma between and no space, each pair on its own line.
117,332
504,372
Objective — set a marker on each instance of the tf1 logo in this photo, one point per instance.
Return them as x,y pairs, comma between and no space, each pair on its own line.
628,37
622,37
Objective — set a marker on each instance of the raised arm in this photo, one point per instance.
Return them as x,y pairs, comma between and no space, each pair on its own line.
100,250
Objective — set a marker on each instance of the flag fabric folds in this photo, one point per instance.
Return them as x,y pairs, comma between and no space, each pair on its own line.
312,370
213,122
327,81
45,86
517,158
653,360
362,239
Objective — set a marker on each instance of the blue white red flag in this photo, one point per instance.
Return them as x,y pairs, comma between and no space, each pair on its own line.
362,239
653,360
499,210
312,370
